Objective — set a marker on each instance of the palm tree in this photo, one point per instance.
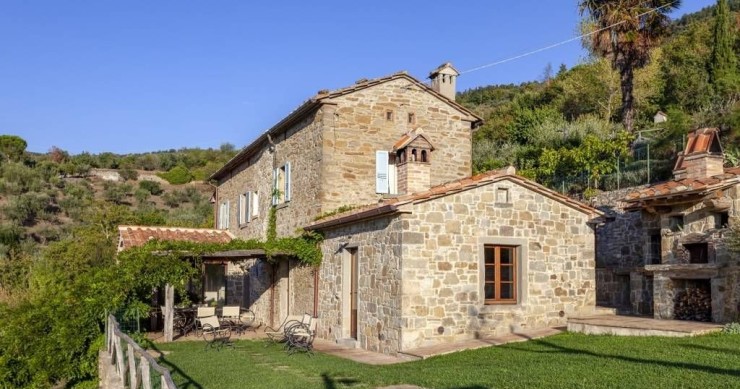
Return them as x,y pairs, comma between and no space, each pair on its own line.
624,31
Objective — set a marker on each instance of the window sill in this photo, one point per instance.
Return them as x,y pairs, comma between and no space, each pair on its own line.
282,205
493,303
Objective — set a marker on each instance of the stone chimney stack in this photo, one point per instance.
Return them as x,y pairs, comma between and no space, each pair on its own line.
702,157
444,79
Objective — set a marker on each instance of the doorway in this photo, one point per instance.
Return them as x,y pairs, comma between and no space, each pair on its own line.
353,293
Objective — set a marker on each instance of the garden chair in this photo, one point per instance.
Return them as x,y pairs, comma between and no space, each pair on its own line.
201,313
300,337
215,335
278,335
237,318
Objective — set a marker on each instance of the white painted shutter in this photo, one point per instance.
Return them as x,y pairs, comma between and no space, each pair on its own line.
287,182
255,204
226,219
249,206
239,210
274,186
381,172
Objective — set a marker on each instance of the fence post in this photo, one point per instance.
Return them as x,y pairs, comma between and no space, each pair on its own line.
119,359
131,366
146,378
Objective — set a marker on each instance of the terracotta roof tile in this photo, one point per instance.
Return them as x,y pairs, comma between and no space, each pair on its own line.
391,205
133,236
687,185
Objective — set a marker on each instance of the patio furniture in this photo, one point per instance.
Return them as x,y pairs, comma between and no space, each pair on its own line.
201,313
279,334
300,338
215,335
237,318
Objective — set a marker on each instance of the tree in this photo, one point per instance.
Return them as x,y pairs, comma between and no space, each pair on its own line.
624,31
12,147
723,64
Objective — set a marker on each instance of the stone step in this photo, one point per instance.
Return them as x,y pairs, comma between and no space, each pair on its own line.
347,342
638,326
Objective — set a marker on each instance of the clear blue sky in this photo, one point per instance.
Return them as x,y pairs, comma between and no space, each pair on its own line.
135,76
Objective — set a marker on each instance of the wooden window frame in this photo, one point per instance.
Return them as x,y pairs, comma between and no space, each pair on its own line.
497,274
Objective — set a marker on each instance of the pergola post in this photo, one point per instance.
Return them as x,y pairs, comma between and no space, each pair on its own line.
169,307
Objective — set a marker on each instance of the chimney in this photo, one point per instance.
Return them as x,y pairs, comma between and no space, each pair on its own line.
413,162
444,79
702,157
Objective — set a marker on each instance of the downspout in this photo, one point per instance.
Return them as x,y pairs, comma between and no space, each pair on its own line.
315,291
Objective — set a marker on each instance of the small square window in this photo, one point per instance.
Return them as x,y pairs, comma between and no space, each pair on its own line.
698,252
502,195
412,118
675,223
721,220
389,116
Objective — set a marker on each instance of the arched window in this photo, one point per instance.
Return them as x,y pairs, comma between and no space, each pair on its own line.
424,156
413,155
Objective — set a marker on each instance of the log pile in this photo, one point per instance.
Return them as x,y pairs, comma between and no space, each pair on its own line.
693,304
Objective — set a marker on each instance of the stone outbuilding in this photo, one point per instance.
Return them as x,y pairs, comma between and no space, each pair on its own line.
670,259
485,255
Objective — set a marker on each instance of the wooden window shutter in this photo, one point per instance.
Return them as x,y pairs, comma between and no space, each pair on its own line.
287,182
226,218
249,206
381,171
239,214
274,187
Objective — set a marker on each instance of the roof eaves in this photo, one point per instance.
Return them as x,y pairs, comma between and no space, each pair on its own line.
382,210
250,149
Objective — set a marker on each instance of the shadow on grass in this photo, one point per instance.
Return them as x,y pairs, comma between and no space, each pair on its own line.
331,383
175,370
714,349
679,365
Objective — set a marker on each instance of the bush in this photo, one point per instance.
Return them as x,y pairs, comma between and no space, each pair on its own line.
142,195
731,328
152,187
128,174
116,193
178,175
26,207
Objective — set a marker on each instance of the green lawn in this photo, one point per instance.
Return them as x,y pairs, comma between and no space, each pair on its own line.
561,361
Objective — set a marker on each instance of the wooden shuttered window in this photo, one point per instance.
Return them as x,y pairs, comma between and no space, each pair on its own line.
381,171
500,274
281,184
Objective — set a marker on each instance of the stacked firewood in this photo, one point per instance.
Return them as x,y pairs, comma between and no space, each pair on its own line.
694,304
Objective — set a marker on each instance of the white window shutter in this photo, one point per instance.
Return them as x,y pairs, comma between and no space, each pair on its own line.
249,206
240,210
274,186
287,182
255,204
226,219
381,171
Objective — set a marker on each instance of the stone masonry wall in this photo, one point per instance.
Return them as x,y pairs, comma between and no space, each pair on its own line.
358,128
301,146
442,266
378,244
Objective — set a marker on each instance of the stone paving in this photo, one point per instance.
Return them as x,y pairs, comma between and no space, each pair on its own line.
638,326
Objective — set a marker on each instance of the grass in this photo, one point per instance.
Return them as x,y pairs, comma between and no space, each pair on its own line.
561,361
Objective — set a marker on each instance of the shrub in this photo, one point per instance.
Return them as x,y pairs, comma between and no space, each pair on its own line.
178,175
142,195
116,193
731,328
128,174
152,187
24,208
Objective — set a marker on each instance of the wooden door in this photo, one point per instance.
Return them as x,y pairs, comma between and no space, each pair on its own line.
353,294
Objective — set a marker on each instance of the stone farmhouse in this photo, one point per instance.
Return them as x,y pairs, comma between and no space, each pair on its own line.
424,253
663,255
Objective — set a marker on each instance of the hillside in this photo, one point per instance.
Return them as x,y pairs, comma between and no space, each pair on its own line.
562,130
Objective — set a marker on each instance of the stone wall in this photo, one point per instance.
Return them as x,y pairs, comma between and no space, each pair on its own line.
358,128
378,245
443,264
620,241
301,147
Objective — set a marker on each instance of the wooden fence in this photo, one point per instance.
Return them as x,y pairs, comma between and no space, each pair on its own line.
133,364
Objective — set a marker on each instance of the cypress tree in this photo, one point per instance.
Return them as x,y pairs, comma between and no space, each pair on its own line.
723,63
